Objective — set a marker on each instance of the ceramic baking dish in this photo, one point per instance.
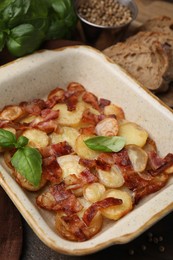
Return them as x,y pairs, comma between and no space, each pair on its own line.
33,77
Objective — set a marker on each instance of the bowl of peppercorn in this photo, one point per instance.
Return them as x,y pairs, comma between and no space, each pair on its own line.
98,15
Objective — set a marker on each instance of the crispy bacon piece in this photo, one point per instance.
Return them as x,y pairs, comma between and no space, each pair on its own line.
51,170
143,186
95,207
103,103
164,163
48,123
59,198
76,227
48,114
106,160
4,123
71,102
90,130
74,182
121,158
57,95
75,88
47,126
59,149
152,186
57,92
155,161
91,99
87,163
89,117
34,107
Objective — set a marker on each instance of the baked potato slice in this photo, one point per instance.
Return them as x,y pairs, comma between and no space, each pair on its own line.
133,133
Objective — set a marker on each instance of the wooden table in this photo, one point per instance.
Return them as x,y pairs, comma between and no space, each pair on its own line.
18,241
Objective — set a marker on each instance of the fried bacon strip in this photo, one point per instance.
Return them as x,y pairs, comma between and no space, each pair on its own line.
103,103
74,182
166,163
95,207
58,149
51,170
91,99
75,88
76,227
151,186
89,118
155,161
59,198
34,107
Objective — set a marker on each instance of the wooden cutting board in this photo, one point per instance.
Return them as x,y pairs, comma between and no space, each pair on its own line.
152,8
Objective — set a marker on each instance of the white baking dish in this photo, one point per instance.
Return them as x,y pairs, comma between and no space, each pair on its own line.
33,77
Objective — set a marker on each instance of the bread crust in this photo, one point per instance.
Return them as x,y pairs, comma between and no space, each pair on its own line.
146,63
148,55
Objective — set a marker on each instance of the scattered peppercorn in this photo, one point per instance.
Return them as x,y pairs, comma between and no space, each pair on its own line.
105,12
131,252
161,249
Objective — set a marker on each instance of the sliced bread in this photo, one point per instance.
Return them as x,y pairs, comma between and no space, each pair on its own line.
148,63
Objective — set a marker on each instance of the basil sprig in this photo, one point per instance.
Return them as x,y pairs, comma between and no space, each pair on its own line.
106,143
26,160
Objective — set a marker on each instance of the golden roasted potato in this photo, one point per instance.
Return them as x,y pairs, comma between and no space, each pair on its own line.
118,211
24,183
11,113
82,150
94,191
37,138
133,133
68,134
114,110
70,118
68,231
70,165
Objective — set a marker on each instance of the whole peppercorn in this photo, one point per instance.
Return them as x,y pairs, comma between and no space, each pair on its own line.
105,12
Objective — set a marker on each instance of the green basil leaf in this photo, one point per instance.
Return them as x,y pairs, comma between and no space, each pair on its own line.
37,15
5,3
27,161
14,13
106,143
24,39
7,139
62,19
21,141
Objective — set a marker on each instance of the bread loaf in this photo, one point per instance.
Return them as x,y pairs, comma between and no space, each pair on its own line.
148,63
148,55
162,24
148,38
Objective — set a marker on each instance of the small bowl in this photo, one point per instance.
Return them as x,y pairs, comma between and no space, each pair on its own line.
92,30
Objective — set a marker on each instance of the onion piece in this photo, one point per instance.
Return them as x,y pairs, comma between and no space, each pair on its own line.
138,157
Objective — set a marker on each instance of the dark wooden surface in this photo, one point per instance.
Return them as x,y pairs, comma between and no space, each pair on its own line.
155,243
18,241
11,233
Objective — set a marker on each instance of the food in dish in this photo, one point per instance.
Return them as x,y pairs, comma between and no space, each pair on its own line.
85,159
